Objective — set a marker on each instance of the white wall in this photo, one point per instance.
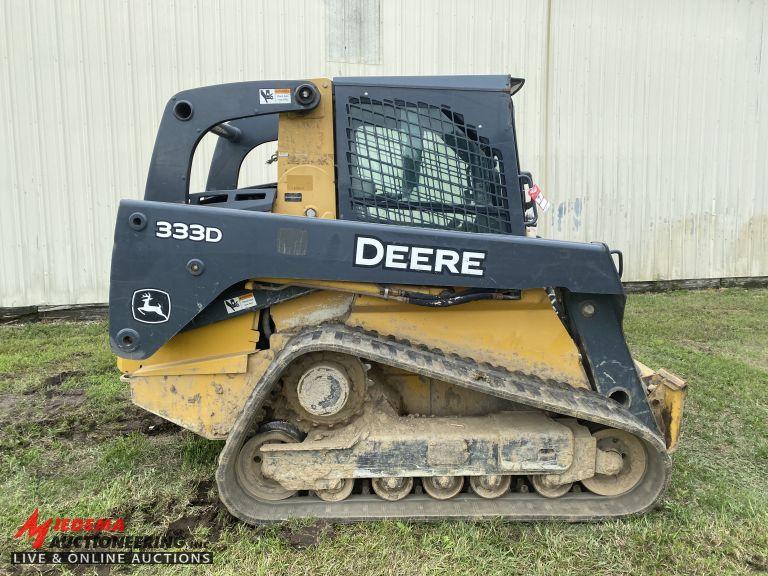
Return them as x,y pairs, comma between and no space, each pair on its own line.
644,120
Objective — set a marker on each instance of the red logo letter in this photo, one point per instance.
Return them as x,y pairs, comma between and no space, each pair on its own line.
36,531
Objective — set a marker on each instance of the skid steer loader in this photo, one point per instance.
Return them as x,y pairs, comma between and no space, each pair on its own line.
375,335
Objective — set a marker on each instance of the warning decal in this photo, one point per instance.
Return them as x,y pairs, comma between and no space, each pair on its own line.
275,96
239,303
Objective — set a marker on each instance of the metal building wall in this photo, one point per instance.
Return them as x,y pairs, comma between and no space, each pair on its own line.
642,119
657,136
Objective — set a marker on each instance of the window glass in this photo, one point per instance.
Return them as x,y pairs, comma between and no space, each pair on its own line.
421,166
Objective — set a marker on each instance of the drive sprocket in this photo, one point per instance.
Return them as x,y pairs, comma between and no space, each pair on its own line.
325,388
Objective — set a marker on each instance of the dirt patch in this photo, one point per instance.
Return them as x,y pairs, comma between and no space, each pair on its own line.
63,414
704,347
210,513
135,419
203,494
61,377
306,536
62,405
203,510
20,408
131,420
211,517
758,563
54,381
188,523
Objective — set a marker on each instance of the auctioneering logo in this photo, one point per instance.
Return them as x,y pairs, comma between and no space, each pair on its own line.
38,531
102,541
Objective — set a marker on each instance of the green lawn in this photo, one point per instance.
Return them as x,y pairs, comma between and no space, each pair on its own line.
73,445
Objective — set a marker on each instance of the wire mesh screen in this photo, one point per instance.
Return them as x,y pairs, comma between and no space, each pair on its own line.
416,164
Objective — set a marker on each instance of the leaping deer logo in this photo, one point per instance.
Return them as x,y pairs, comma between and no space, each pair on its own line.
148,307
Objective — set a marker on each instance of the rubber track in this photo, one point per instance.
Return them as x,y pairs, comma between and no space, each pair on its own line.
522,388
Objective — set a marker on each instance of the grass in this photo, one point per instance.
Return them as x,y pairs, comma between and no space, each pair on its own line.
78,448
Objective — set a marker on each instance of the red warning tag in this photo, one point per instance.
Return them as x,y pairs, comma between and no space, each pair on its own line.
536,195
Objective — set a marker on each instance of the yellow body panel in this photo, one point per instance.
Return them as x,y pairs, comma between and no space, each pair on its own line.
523,334
305,159
201,378
421,395
225,364
310,310
222,339
667,399
207,404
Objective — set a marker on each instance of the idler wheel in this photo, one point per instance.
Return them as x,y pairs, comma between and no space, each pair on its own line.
634,462
248,467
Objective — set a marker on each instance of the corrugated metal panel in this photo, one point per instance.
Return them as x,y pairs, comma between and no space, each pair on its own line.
658,134
353,31
641,118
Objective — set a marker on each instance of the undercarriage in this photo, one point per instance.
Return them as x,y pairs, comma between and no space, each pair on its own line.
548,450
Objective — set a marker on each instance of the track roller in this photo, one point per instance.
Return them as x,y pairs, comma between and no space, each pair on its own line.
547,489
337,493
442,487
490,486
392,488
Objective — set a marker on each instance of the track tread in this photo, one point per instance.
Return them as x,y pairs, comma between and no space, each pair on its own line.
516,386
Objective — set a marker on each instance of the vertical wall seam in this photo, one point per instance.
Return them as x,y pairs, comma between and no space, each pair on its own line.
546,95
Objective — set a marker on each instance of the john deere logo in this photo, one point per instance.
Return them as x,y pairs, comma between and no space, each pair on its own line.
151,306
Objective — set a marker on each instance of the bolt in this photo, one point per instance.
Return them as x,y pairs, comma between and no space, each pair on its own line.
195,267
137,221
443,481
588,309
393,483
128,339
491,481
310,212
548,481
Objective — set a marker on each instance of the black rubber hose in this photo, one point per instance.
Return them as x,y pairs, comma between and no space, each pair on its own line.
429,300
